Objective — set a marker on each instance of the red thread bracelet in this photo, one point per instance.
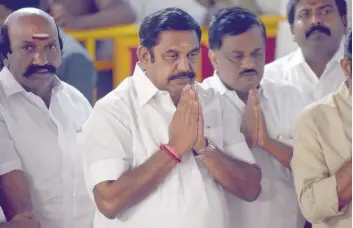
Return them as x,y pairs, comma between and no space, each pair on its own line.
169,150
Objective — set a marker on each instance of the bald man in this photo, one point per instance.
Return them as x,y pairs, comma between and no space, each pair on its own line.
40,121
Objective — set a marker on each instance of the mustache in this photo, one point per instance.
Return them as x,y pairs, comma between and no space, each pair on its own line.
36,68
188,74
247,72
319,28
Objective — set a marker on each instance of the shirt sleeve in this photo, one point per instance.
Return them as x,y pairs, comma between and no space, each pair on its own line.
9,159
316,189
234,141
106,145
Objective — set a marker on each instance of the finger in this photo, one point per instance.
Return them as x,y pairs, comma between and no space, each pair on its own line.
256,96
184,96
194,116
257,123
200,119
192,93
23,215
194,111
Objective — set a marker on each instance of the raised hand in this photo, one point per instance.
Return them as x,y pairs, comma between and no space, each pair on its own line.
183,128
254,126
200,142
250,125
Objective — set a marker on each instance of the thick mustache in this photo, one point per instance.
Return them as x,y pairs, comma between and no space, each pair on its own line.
182,75
36,68
248,71
319,28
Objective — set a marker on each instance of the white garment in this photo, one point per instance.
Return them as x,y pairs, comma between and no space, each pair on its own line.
284,40
42,143
277,205
127,127
294,69
144,8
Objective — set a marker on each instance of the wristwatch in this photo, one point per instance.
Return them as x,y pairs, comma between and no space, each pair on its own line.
201,154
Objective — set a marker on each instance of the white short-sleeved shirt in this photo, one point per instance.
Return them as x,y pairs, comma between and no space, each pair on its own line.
277,205
127,127
294,69
42,142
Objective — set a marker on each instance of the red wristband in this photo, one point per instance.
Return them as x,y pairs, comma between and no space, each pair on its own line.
169,150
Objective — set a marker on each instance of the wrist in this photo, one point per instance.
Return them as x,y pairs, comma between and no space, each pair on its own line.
171,152
199,146
178,149
266,143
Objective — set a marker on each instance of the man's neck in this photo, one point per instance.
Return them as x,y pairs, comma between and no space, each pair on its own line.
318,59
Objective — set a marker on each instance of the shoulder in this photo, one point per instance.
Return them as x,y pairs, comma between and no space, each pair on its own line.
277,68
77,100
207,82
119,102
319,111
279,63
280,88
207,94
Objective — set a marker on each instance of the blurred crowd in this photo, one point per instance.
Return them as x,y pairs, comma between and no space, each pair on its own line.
77,68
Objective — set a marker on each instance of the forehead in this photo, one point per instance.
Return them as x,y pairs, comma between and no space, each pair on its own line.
25,27
314,3
177,40
251,39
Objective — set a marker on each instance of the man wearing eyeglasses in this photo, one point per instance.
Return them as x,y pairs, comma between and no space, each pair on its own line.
322,158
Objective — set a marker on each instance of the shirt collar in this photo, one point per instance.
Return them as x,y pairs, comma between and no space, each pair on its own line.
12,87
9,83
298,58
144,87
222,89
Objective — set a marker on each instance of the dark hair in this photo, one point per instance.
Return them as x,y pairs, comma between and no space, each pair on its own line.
231,21
341,5
348,45
18,4
163,20
5,47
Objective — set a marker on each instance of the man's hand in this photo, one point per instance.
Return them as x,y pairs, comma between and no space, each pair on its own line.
250,125
253,126
200,140
22,220
23,216
183,128
28,223
344,184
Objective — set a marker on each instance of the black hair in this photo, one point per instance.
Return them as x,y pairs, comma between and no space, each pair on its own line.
163,20
348,45
5,46
19,4
341,5
231,21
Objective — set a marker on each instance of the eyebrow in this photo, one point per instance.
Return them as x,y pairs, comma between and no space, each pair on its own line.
194,50
326,6
34,42
257,50
172,51
321,7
